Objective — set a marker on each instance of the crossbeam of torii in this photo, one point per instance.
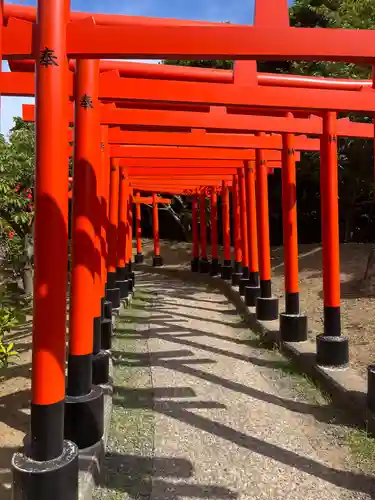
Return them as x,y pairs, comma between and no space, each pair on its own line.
190,153
142,40
203,139
217,120
196,74
115,88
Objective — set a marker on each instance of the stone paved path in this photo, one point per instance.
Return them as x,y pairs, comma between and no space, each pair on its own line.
226,424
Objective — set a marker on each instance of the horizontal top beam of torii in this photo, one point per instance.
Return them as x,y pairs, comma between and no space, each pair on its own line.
216,120
184,163
200,138
112,87
187,172
190,153
147,200
23,84
199,181
196,74
174,190
189,40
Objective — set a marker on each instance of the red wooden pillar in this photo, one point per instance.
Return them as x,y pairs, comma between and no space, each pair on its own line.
252,229
130,228
293,325
266,305
85,291
226,271
59,478
138,259
113,292
157,259
131,274
371,367
123,222
244,281
105,161
332,348
195,234
204,265
252,289
237,274
215,265
101,360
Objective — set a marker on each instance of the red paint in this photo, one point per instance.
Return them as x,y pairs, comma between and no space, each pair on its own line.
226,221
236,219
330,212
138,224
289,211
203,225
51,217
155,220
194,227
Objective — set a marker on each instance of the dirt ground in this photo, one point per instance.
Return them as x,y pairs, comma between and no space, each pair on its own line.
358,319
357,303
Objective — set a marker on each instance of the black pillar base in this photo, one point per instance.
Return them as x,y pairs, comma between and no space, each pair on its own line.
267,308
122,273
332,351
238,267
215,267
84,418
113,296
293,327
252,293
53,479
106,334
111,279
107,309
132,279
242,284
124,288
371,387
194,265
236,277
139,258
204,266
100,368
226,271
157,261
245,272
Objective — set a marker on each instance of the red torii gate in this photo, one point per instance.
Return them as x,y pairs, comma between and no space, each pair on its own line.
99,41
138,200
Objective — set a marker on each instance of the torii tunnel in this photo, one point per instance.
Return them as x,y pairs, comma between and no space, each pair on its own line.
143,134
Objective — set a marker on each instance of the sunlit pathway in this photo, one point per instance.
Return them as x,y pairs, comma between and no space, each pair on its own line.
226,420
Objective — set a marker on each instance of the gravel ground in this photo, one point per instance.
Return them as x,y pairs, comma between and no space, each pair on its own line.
201,410
357,298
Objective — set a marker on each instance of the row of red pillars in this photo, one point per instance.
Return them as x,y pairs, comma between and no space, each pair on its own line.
249,267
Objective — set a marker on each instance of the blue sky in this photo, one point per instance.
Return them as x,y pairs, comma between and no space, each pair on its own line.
235,11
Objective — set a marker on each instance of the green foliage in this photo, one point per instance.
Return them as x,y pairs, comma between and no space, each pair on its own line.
349,14
17,165
7,321
356,157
